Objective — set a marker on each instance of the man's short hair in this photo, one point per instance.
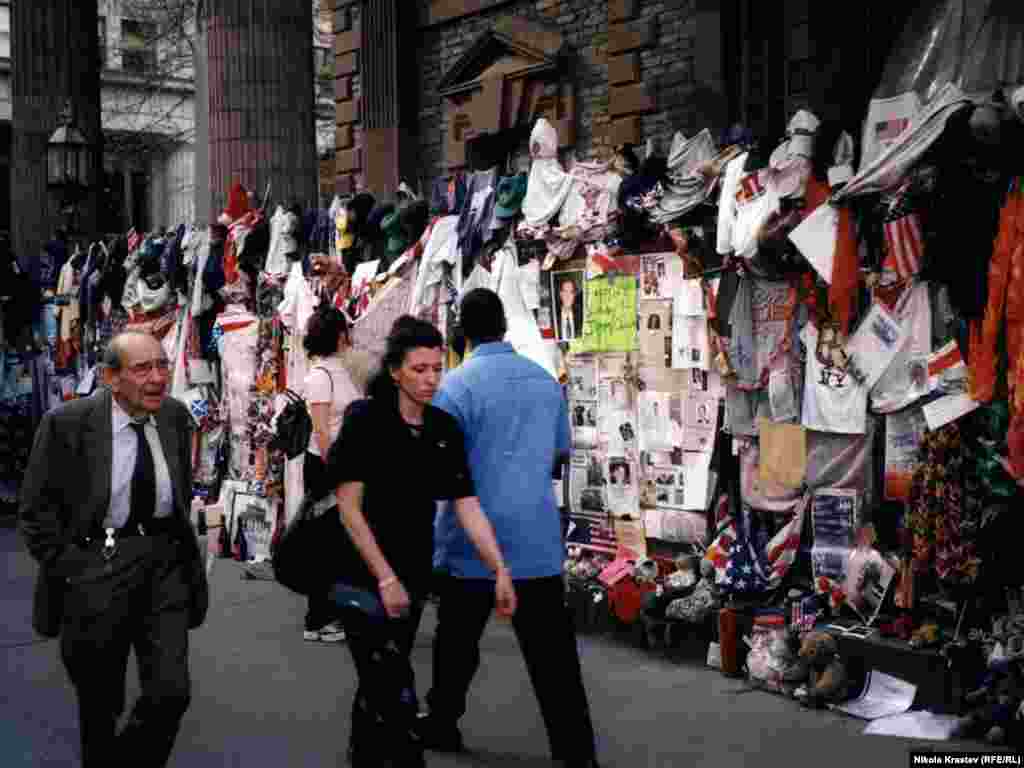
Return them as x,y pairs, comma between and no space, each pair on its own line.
482,316
113,354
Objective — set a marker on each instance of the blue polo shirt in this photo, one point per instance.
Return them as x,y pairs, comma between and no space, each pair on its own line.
516,423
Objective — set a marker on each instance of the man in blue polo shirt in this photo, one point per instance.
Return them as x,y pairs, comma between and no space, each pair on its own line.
516,424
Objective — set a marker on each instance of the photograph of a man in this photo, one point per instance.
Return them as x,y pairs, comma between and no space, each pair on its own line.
619,470
567,287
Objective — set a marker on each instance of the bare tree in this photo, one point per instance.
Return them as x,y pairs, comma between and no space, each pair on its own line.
154,99
155,102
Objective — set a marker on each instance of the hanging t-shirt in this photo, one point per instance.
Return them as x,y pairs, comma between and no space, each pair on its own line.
756,200
906,379
727,203
833,401
329,382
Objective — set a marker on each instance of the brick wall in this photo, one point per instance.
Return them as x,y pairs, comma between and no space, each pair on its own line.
637,66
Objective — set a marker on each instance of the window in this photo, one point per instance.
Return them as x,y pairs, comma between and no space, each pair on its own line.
101,31
138,46
5,31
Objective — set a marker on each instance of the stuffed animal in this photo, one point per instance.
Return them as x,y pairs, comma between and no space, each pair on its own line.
826,674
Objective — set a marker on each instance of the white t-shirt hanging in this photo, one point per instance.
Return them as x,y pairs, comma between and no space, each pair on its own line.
833,401
906,379
727,203
756,200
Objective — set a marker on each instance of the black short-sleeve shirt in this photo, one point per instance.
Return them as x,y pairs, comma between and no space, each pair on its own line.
403,475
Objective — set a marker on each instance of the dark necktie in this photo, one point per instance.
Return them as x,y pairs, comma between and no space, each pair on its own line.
143,496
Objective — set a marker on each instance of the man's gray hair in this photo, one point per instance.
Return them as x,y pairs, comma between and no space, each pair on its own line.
113,355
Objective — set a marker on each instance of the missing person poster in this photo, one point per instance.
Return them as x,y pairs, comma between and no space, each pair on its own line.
660,275
570,302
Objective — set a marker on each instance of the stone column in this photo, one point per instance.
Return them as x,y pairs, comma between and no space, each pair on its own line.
375,146
261,101
55,56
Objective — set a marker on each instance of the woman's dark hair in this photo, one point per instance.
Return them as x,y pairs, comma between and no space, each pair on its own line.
408,333
325,327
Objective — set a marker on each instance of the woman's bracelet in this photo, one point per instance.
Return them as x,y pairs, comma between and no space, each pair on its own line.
384,583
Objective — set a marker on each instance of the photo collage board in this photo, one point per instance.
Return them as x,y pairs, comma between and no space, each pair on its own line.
644,407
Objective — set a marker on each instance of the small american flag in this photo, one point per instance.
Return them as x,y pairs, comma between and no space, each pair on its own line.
890,130
904,240
593,532
133,239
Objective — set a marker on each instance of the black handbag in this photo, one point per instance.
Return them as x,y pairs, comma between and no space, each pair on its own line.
294,427
306,557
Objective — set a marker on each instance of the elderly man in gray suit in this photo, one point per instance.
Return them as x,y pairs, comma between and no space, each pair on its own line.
105,511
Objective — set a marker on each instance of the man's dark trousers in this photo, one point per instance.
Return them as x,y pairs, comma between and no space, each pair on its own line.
547,639
138,600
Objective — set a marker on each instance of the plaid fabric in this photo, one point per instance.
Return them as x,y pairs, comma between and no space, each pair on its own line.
134,239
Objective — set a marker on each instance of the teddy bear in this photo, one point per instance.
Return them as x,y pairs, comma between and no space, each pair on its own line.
826,674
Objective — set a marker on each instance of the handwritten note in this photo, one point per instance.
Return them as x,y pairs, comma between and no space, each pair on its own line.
610,324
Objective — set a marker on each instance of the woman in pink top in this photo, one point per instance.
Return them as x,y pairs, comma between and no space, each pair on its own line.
328,392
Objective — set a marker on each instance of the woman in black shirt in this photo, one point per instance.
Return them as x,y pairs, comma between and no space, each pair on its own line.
396,455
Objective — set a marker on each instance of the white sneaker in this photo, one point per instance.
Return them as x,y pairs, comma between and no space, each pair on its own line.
332,633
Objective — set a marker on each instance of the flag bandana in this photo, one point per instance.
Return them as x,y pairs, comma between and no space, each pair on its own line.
904,238
745,562
890,130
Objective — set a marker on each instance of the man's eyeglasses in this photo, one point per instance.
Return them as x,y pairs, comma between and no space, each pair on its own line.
145,369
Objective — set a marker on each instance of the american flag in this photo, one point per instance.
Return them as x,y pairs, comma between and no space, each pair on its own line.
904,240
890,130
592,531
133,239
778,557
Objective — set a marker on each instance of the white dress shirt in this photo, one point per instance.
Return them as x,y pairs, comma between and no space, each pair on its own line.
123,457
568,329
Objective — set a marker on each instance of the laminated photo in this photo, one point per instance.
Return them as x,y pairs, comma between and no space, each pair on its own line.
622,490
655,432
660,273
583,379
701,422
587,481
690,343
655,333
568,299
545,312
583,417
617,426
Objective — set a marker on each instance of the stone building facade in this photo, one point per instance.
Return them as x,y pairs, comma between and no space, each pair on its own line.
639,71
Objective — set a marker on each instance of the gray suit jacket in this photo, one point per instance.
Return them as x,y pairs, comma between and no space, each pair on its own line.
66,494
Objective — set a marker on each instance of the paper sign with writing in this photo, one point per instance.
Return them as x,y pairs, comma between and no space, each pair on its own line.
610,322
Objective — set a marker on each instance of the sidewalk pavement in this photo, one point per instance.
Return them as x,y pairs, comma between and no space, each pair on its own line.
263,697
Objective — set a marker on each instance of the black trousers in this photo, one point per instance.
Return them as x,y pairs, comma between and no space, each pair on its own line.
385,704
547,639
320,610
138,601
